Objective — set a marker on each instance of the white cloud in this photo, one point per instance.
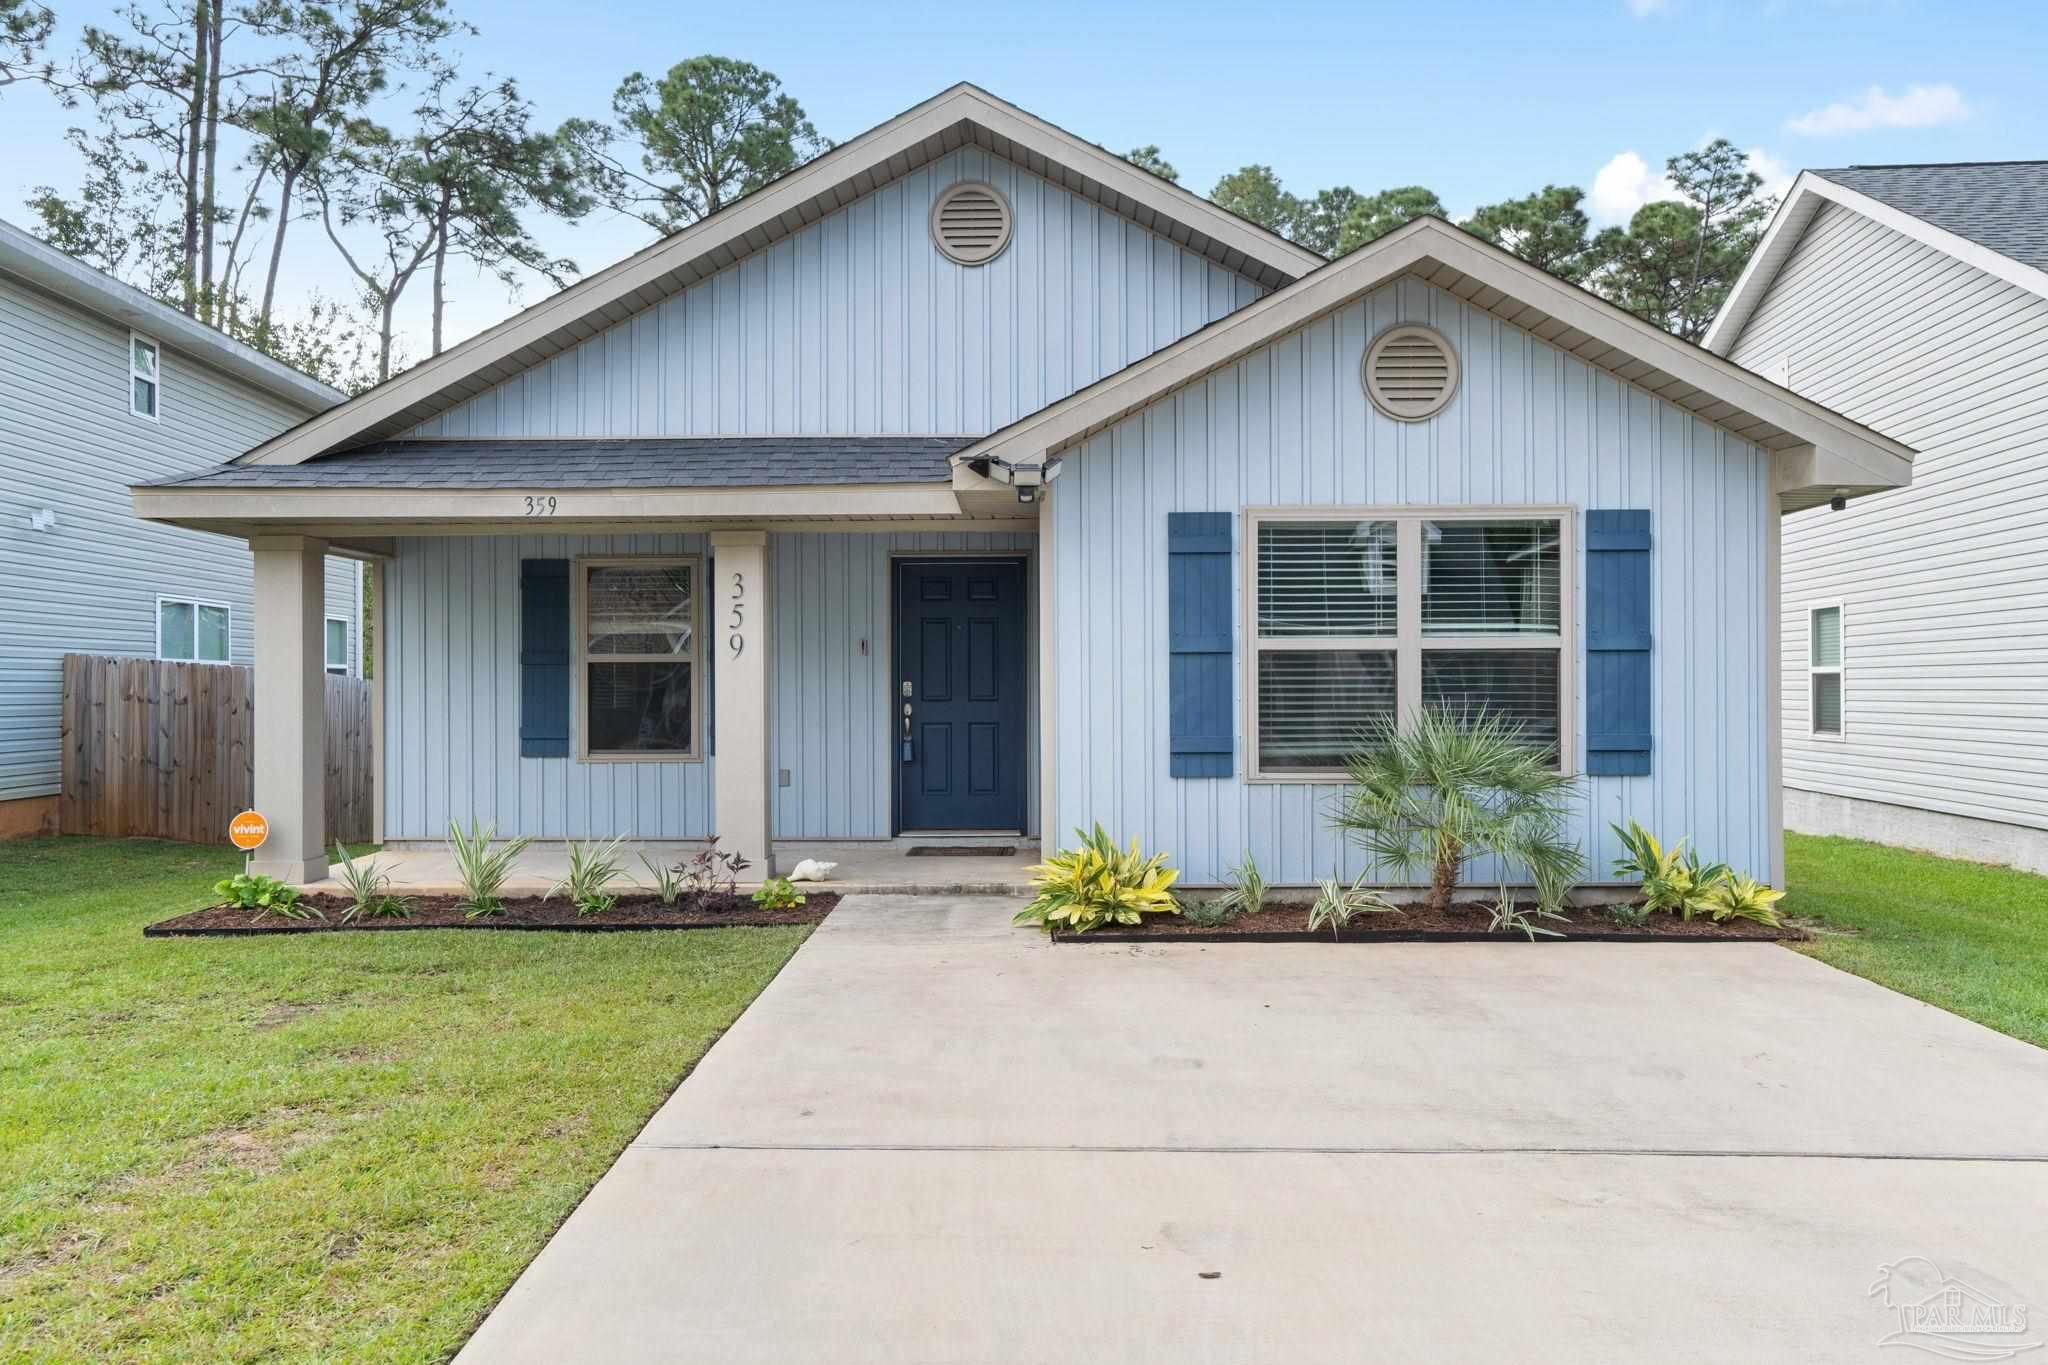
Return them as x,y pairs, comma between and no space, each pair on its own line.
1624,185
1643,9
1777,177
1919,106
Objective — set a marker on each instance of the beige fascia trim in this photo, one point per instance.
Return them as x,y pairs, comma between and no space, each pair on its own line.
1797,212
740,229
539,509
1883,461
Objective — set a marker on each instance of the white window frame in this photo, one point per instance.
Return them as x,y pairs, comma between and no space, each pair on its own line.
579,570
156,381
1408,642
195,603
348,648
1840,669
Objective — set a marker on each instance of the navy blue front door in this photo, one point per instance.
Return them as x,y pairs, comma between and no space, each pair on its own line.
959,695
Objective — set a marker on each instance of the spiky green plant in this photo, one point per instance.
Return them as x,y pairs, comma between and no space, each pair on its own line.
482,870
1674,880
1337,905
667,883
592,868
1096,884
1448,788
368,888
1743,897
1246,894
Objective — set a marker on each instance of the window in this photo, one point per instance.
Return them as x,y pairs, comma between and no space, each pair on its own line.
637,661
143,377
337,646
1824,669
195,632
1359,616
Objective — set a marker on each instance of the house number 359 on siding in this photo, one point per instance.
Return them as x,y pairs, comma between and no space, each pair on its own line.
737,600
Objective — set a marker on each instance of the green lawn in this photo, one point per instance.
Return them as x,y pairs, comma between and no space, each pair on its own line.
340,1147
1969,938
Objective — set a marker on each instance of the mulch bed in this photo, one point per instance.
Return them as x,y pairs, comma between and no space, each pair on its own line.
1287,922
520,912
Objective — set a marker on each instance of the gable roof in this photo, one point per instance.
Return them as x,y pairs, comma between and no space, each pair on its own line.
961,116
1990,214
1567,317
43,266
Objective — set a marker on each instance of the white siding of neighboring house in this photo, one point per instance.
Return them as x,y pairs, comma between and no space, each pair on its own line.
89,584
1290,426
857,324
1943,585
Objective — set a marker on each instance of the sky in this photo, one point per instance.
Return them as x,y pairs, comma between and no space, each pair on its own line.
1480,100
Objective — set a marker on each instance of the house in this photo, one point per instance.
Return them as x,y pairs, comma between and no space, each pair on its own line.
969,478
1915,300
100,387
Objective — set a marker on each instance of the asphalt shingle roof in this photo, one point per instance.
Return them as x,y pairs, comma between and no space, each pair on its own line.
2000,205
658,462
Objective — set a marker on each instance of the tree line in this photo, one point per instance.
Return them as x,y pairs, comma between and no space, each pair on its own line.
1672,264
223,140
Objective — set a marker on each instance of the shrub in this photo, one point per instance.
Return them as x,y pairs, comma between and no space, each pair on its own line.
1211,914
369,890
668,881
1629,913
1096,884
778,893
1451,788
1675,881
265,895
482,869
710,870
1336,906
1743,897
592,867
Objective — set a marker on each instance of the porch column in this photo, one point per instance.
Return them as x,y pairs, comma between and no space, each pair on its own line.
738,637
291,706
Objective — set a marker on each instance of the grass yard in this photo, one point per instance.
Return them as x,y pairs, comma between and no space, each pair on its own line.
338,1147
1969,938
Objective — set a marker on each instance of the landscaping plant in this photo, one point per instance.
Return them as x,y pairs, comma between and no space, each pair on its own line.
482,870
592,868
1096,884
265,895
1337,905
1211,914
1743,897
1247,891
668,882
369,890
778,893
1453,787
1675,881
709,870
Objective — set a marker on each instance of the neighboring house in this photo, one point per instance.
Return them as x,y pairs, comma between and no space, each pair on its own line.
1915,299
756,533
101,387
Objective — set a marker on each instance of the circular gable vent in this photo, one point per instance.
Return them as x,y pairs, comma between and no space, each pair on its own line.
971,223
1410,372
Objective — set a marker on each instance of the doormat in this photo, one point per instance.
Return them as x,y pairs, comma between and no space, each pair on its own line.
972,851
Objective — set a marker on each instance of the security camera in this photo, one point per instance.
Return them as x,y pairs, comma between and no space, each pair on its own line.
1839,501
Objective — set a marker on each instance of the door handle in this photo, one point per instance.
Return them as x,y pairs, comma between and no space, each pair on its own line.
907,751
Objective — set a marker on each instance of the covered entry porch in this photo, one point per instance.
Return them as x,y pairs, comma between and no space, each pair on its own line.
608,665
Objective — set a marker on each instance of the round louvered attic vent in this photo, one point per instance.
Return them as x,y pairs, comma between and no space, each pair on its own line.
1410,372
971,223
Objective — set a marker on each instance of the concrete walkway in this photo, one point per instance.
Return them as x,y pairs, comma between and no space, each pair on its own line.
935,1138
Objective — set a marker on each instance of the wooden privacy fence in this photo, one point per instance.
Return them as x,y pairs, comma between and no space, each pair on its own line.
165,750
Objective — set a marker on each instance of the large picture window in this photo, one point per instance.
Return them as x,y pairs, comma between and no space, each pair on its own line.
637,634
1360,616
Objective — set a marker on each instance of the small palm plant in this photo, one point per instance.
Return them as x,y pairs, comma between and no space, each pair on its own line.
1449,788
482,870
592,868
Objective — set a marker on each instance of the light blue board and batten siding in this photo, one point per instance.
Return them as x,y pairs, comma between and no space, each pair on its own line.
89,584
857,324
1289,425
452,701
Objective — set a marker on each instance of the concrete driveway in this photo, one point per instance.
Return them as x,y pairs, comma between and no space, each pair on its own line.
936,1138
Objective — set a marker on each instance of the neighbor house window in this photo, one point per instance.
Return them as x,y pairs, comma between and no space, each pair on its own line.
337,646
637,665
1824,669
144,379
193,632
1361,615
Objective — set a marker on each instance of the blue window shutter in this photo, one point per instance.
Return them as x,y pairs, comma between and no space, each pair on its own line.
1618,721
543,658
1199,643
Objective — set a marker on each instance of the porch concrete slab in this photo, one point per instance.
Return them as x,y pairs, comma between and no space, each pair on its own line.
928,1021
892,1256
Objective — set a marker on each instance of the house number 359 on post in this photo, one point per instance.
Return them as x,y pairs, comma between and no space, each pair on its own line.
736,619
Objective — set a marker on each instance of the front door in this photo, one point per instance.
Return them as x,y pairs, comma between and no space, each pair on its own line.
959,694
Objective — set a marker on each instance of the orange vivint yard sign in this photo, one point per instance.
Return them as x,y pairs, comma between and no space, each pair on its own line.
248,830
